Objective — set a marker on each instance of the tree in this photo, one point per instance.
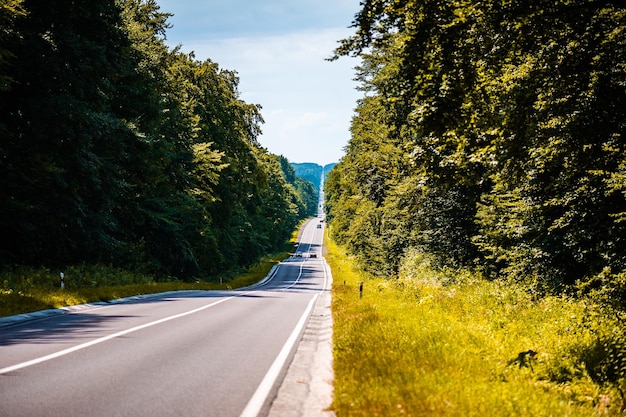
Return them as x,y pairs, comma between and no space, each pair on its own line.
64,134
561,146
510,119
119,150
10,10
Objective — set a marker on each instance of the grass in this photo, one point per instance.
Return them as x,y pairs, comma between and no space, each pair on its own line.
433,343
26,289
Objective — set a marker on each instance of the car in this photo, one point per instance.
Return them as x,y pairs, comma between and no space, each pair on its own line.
312,255
319,226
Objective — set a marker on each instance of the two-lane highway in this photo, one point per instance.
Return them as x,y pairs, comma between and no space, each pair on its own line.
194,353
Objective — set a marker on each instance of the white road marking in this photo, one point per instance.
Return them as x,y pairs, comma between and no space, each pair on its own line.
258,399
291,284
105,338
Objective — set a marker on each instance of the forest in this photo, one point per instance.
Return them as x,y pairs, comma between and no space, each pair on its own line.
119,150
491,135
313,172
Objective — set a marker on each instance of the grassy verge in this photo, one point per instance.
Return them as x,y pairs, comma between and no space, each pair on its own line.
427,344
25,289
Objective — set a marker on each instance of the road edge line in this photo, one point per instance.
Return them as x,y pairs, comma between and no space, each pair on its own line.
85,345
258,400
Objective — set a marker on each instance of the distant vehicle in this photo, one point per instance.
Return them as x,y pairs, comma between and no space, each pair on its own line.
319,226
312,255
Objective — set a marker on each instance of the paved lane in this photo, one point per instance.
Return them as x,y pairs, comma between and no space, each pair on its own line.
178,354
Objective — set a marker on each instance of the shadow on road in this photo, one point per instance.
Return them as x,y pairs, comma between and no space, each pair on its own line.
54,329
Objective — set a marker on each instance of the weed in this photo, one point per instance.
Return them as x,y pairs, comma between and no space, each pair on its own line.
441,342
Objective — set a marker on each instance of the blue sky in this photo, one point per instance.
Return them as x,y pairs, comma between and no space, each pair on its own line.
278,48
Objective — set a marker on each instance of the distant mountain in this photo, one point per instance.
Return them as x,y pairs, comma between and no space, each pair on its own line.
328,168
312,172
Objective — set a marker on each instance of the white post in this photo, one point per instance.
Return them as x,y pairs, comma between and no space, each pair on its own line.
62,281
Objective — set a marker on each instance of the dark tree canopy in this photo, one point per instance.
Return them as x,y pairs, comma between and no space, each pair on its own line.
491,134
117,149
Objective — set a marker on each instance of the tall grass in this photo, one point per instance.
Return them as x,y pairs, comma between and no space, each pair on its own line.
429,343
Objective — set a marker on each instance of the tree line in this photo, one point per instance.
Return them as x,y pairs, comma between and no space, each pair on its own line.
118,149
491,134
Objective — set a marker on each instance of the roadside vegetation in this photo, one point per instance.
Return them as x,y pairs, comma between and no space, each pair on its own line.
28,289
126,152
431,342
483,194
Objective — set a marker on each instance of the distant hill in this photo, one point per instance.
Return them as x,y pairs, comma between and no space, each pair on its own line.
328,168
312,172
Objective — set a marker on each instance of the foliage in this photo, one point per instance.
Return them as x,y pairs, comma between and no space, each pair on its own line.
119,150
10,10
308,193
437,341
490,134
308,180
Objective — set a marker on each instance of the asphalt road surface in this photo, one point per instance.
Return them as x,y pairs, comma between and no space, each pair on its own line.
193,353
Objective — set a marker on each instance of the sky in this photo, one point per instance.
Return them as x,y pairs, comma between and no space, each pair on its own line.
278,48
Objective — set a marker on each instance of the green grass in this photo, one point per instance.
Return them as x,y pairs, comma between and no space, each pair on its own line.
433,343
26,289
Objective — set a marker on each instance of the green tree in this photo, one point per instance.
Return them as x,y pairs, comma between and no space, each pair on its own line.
65,135
358,189
118,149
561,145
510,119
308,194
281,206
306,191
10,10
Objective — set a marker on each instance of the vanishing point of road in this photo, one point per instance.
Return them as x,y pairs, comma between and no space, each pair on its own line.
189,353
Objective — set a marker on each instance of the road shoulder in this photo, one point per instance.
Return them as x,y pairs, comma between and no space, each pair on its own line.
307,389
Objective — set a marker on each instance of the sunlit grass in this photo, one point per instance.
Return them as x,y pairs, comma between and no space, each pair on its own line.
412,346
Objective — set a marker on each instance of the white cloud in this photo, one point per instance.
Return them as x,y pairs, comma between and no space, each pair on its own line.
279,47
307,102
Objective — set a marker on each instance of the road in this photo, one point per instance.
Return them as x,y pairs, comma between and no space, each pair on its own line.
193,353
